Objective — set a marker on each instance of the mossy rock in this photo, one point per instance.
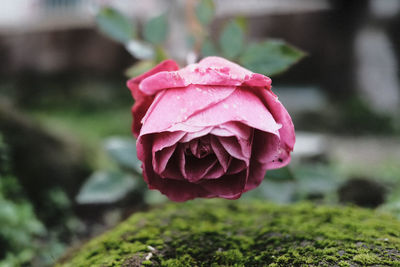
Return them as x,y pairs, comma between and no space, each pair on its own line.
240,233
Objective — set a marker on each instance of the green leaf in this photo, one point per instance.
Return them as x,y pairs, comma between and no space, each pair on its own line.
140,68
105,187
123,151
155,30
231,40
140,50
208,49
115,25
270,57
205,11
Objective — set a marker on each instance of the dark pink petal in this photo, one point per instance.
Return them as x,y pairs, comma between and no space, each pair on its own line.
236,166
196,169
256,175
215,172
181,160
222,155
176,190
179,190
266,148
176,105
286,133
161,158
172,170
228,186
283,159
166,139
231,145
245,146
164,145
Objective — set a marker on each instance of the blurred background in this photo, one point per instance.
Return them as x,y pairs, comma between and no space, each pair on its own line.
68,169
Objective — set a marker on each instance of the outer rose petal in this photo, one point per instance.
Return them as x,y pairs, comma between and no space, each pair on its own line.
209,71
287,135
142,101
185,102
241,106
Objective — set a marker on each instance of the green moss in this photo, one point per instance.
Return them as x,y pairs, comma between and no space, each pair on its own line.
227,233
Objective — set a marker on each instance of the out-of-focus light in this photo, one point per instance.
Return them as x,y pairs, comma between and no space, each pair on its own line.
385,8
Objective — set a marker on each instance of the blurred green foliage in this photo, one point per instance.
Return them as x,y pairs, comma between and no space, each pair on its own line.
205,11
155,30
270,57
115,25
104,187
20,229
208,48
231,40
358,118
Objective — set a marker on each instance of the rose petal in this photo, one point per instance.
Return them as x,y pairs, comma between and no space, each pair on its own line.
221,153
161,158
238,129
133,84
256,175
231,145
236,166
172,170
215,172
217,130
286,133
193,135
228,186
209,71
176,190
266,148
241,106
164,145
143,101
166,139
196,169
184,102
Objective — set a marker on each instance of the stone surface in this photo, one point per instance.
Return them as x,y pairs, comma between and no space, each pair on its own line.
239,233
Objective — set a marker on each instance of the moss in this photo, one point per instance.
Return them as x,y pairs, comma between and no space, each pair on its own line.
226,233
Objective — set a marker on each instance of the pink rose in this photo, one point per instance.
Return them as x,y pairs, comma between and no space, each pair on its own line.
211,129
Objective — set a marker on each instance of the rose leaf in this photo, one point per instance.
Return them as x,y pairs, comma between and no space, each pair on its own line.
270,57
232,39
115,25
155,30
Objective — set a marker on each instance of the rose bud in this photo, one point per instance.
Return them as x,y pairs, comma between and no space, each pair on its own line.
211,129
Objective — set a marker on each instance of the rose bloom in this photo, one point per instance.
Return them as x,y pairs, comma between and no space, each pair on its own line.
211,129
